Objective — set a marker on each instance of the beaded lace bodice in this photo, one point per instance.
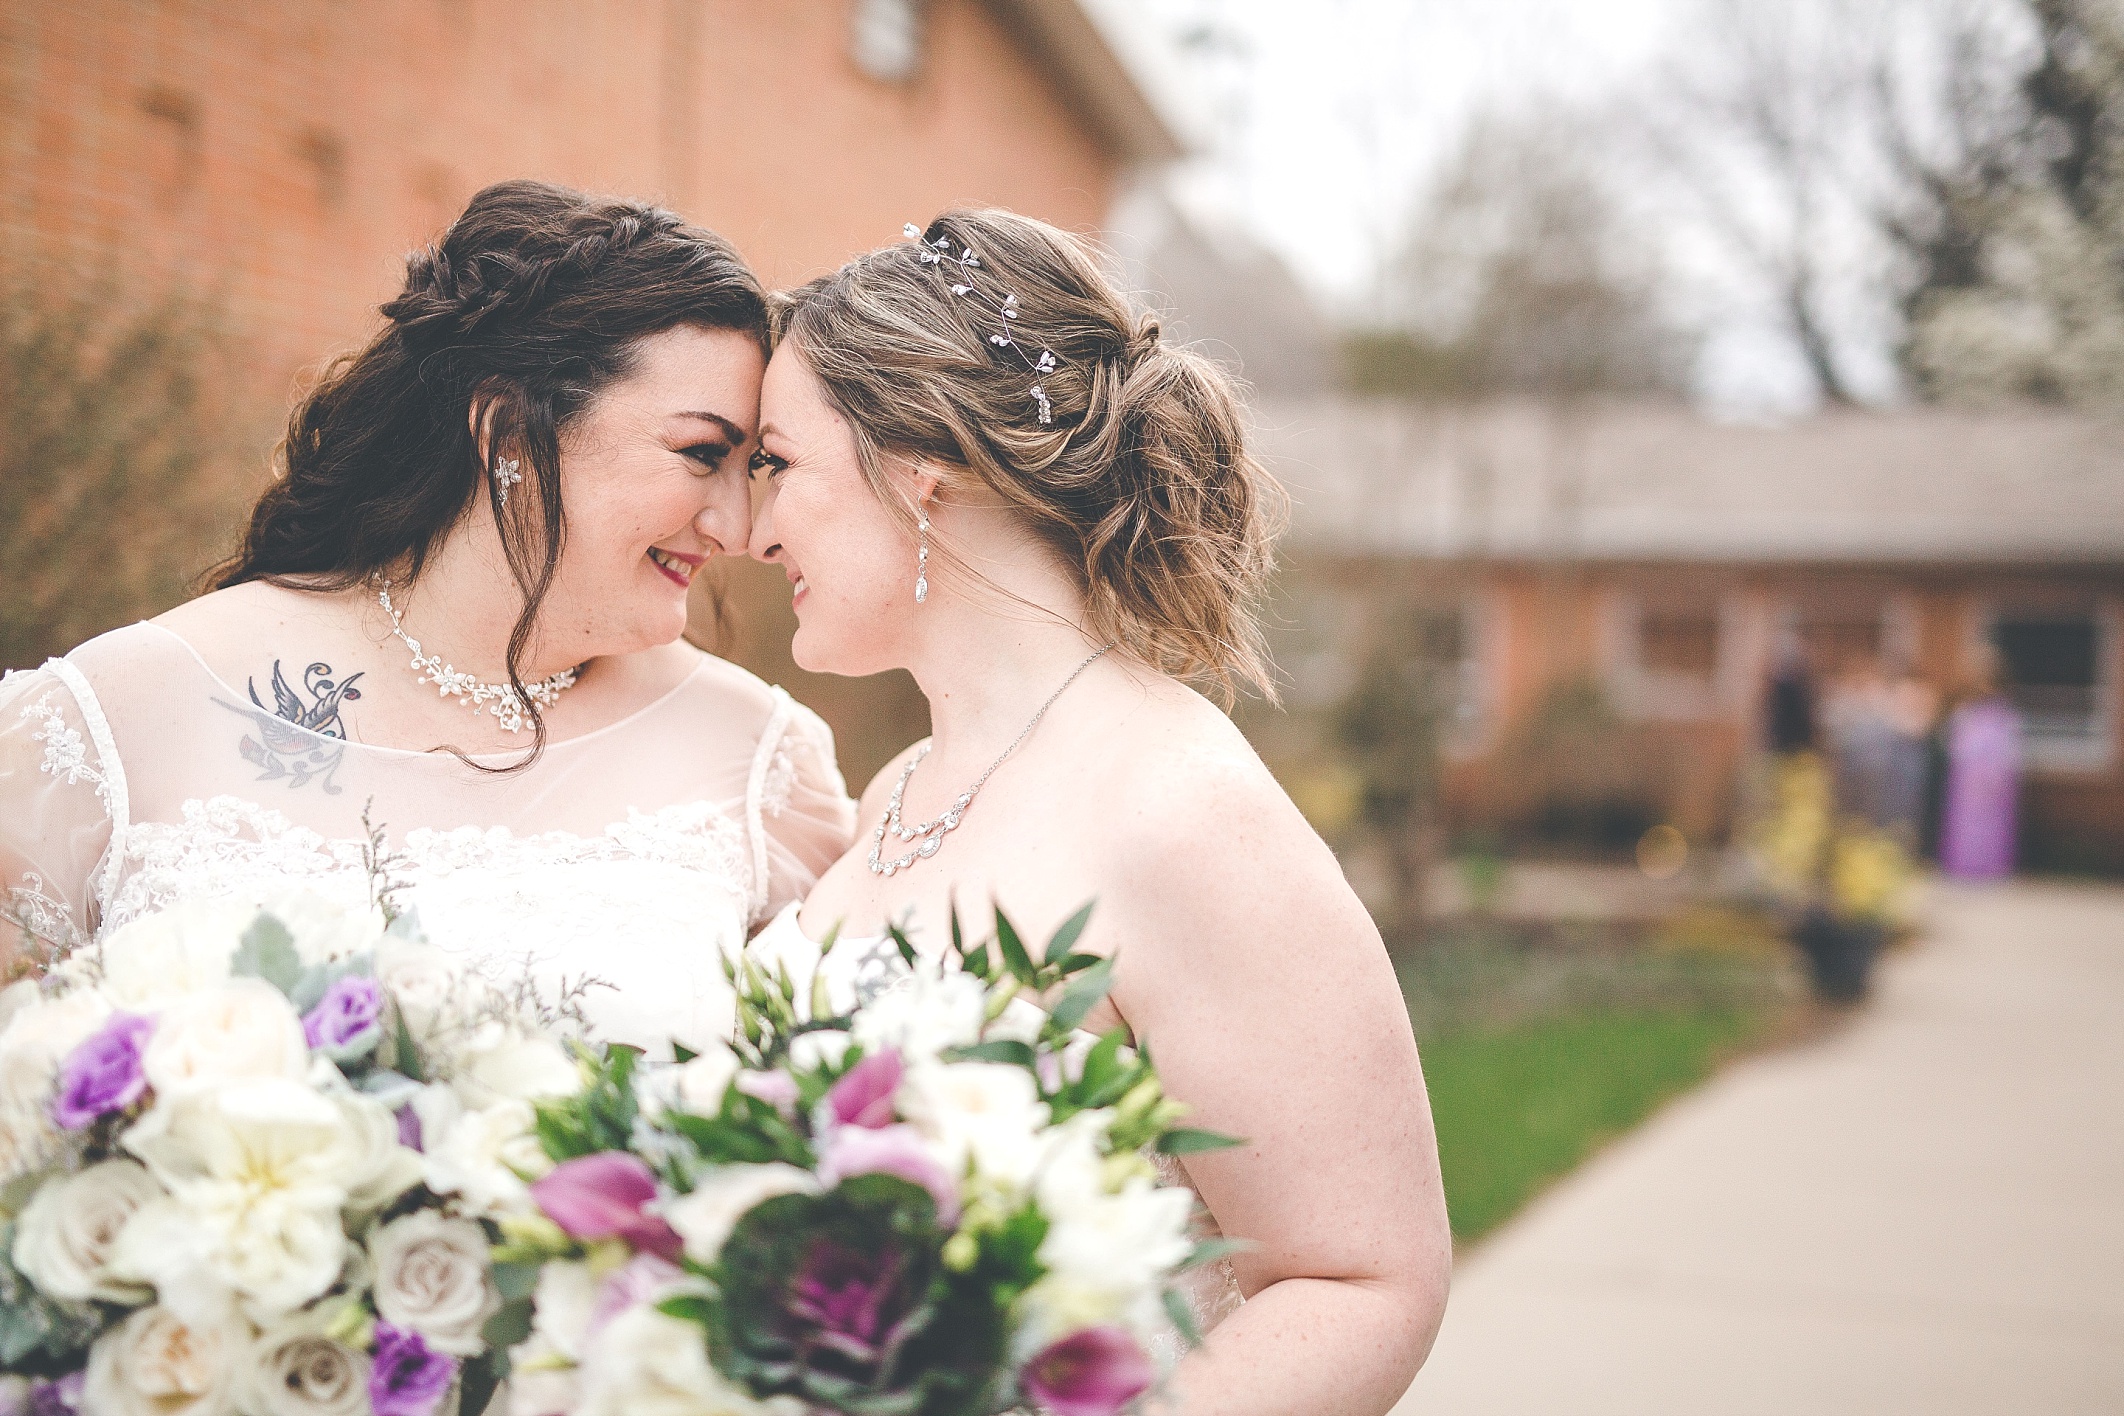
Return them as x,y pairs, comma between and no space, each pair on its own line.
131,777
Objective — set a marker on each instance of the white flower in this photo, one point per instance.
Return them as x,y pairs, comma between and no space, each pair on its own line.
426,983
1107,1257
812,1050
156,1363
64,1240
480,1156
325,930
257,1174
378,1169
924,1013
431,1276
499,1062
647,1364
543,1368
165,955
703,1081
705,1217
241,1030
39,1035
296,1370
989,1113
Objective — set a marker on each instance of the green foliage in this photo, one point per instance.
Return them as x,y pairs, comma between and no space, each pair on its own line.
39,1334
599,1118
107,506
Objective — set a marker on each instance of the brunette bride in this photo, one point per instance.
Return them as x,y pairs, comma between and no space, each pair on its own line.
987,469
459,611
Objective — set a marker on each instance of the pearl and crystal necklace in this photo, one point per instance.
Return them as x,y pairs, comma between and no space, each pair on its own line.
930,834
472,692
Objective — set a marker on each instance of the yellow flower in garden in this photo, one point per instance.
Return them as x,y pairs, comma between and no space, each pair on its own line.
1867,871
1792,839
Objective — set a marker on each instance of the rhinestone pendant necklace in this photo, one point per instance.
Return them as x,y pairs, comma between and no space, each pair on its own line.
474,693
928,836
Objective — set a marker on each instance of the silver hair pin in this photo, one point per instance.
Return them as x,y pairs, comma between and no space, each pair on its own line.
936,253
506,476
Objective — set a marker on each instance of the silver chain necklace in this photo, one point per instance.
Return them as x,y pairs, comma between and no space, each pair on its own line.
930,834
472,692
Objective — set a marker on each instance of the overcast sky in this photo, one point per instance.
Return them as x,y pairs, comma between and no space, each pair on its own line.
1331,112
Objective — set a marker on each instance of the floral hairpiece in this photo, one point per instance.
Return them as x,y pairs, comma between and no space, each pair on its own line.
936,253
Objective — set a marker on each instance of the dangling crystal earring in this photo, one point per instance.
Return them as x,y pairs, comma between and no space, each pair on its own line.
922,555
506,476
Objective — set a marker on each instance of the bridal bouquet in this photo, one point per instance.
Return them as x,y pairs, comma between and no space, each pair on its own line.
936,1201
253,1161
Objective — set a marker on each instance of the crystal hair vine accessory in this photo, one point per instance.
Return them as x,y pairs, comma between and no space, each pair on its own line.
473,693
937,253
506,476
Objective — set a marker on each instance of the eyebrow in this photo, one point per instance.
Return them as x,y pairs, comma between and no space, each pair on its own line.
738,436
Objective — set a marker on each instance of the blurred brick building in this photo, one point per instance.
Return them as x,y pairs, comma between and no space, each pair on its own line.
280,156
1601,591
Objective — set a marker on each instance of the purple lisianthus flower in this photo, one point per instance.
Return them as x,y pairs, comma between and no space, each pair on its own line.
410,1134
346,1015
605,1196
61,1396
864,1096
102,1074
409,1377
1096,1372
889,1150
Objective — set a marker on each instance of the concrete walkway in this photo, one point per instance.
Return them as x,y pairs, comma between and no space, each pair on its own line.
1921,1212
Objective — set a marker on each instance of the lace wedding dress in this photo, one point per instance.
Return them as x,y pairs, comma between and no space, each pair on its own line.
861,968
132,777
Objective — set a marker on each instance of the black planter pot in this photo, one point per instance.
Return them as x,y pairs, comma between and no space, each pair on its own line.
1840,954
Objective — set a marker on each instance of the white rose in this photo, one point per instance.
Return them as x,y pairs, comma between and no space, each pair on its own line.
562,1306
65,1238
431,1276
989,1113
503,1063
542,1382
705,1217
702,1081
812,1050
924,1013
378,1169
480,1156
325,930
241,1030
158,1364
256,1172
1107,1258
172,952
425,982
296,1370
645,1363
39,1035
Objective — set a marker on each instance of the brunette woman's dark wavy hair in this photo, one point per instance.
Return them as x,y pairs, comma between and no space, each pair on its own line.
532,302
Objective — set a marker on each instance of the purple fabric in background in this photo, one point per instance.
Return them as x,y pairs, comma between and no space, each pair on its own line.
1983,784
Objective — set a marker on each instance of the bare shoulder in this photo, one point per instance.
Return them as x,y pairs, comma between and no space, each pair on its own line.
251,611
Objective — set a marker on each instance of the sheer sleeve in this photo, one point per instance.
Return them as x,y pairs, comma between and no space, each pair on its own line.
796,807
62,805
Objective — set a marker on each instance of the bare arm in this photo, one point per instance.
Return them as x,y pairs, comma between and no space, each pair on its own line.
1262,987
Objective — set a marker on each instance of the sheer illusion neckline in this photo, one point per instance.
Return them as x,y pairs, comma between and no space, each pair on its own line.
617,725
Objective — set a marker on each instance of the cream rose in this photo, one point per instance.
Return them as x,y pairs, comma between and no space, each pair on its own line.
378,1169
705,1217
498,1062
423,981
157,1364
242,1030
296,1370
65,1238
165,955
431,1276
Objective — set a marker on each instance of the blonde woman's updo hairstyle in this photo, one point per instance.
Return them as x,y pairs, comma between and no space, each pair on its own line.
1141,484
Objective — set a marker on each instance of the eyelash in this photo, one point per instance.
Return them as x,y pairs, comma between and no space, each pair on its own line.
710,455
768,460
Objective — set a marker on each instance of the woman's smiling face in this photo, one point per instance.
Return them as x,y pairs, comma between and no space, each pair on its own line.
653,477
850,562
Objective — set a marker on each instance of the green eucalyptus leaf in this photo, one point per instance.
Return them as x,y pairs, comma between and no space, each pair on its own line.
1183,1315
267,951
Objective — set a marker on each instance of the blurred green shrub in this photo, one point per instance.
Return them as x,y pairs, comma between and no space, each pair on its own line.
107,501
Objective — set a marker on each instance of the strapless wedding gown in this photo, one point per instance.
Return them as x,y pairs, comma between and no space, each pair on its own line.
861,968
132,777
